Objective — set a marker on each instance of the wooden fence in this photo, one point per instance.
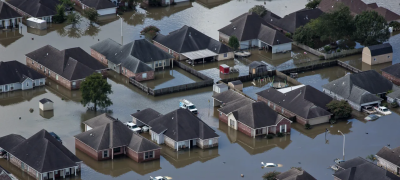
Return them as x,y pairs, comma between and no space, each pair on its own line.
348,67
249,77
320,66
333,55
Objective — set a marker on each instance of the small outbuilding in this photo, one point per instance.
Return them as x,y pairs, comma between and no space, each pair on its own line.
219,88
224,69
36,23
257,67
377,54
236,84
46,104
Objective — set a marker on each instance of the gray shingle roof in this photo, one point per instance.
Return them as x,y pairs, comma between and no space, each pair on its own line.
237,82
251,26
36,8
109,133
4,175
133,55
14,71
393,70
391,155
257,115
6,12
306,102
234,105
72,64
227,96
181,124
45,100
188,39
99,4
255,64
146,115
10,141
380,49
395,94
42,152
295,174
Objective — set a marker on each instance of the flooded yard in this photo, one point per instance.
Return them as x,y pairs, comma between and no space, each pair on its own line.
313,150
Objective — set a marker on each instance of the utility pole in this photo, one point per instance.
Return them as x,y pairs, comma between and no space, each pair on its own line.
344,138
122,37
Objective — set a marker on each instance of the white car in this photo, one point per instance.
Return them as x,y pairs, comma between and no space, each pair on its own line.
268,164
132,126
383,110
158,178
372,117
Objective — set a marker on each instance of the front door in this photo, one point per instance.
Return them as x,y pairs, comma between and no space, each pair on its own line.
191,143
283,128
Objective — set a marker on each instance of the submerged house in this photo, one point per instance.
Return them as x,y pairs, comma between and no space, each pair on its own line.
225,97
143,117
15,76
295,174
392,73
106,137
41,156
41,9
359,90
389,159
68,67
257,67
103,7
377,54
188,43
136,59
306,104
181,129
253,31
9,18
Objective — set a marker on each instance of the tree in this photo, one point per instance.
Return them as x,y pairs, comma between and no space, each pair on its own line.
371,157
233,42
305,35
67,3
335,25
395,25
312,4
371,28
271,175
258,9
73,18
91,14
95,90
150,32
60,14
339,109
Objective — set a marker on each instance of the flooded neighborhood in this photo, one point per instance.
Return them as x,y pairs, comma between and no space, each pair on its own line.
211,91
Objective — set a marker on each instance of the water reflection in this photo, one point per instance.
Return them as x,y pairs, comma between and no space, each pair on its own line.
211,3
8,37
50,28
46,114
186,157
134,18
119,165
62,92
19,96
160,13
343,126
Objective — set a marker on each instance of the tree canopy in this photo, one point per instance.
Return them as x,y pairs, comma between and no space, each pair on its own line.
73,18
371,28
150,32
312,4
271,175
258,9
95,90
336,25
91,14
59,17
340,109
233,42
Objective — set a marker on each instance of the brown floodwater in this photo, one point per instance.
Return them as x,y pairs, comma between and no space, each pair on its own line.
237,154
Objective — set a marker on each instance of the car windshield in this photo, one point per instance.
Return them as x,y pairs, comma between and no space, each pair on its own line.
384,110
192,107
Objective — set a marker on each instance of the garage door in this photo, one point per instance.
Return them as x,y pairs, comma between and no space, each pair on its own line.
107,11
319,120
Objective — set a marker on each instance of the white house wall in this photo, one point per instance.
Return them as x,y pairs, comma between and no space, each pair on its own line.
282,47
107,11
232,117
27,84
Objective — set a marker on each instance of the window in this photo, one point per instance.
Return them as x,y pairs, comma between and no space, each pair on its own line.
33,62
210,142
56,76
117,150
40,66
226,55
160,63
388,56
220,113
105,153
151,154
274,106
27,84
269,103
283,110
125,71
144,75
374,59
148,155
56,172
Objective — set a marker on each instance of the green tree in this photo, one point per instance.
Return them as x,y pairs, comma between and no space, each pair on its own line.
371,157
150,32
271,175
335,25
234,42
305,35
395,25
73,18
95,90
67,3
258,9
340,109
91,14
371,28
60,14
312,4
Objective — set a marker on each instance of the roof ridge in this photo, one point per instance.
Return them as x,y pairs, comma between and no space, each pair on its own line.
105,126
44,153
183,39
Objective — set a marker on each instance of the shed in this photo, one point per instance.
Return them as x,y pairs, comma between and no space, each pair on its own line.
46,104
377,54
257,67
219,88
224,69
36,23
236,84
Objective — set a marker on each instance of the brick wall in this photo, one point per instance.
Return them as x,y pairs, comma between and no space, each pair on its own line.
139,157
175,54
244,129
283,122
101,58
150,75
223,117
392,78
87,150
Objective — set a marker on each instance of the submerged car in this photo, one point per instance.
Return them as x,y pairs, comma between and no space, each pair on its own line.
383,110
338,161
132,126
56,136
371,117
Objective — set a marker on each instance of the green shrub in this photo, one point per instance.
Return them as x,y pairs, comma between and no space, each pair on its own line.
270,136
384,104
332,121
279,134
313,4
327,48
288,35
394,105
338,50
307,126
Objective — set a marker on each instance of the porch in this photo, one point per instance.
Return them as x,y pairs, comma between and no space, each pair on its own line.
200,57
10,23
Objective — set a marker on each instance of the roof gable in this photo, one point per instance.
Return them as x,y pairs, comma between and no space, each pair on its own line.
6,12
146,115
391,155
257,115
14,71
36,8
99,4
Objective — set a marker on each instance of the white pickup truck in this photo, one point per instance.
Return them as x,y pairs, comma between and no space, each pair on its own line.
185,104
132,126
158,178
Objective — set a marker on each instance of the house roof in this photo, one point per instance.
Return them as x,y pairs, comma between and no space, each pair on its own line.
181,124
110,133
99,4
306,101
134,56
10,141
364,82
99,120
257,115
395,94
41,152
361,169
4,175
199,54
227,96
380,49
14,71
391,155
234,105
237,82
36,8
393,70
6,12
188,39
221,85
45,100
255,64
357,7
72,64
251,26
146,115
294,20
295,174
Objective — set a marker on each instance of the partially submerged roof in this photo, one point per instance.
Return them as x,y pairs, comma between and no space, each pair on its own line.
227,96
181,125
257,115
45,100
146,115
395,94
6,12
199,54
36,8
41,152
391,155
393,70
306,101
14,71
237,82
255,64
99,4
380,49
236,104
99,120
295,174
188,39
134,56
251,26
10,141
72,63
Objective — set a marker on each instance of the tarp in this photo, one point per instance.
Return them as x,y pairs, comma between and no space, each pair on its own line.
199,54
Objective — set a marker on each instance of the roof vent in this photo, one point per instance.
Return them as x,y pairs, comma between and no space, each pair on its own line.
343,83
47,54
172,117
271,20
91,134
190,33
306,16
234,28
115,53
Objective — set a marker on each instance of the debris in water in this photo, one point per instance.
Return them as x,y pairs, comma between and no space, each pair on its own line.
299,162
366,133
388,145
19,117
31,110
32,39
242,175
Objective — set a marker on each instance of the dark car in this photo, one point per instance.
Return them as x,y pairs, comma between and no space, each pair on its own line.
56,137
